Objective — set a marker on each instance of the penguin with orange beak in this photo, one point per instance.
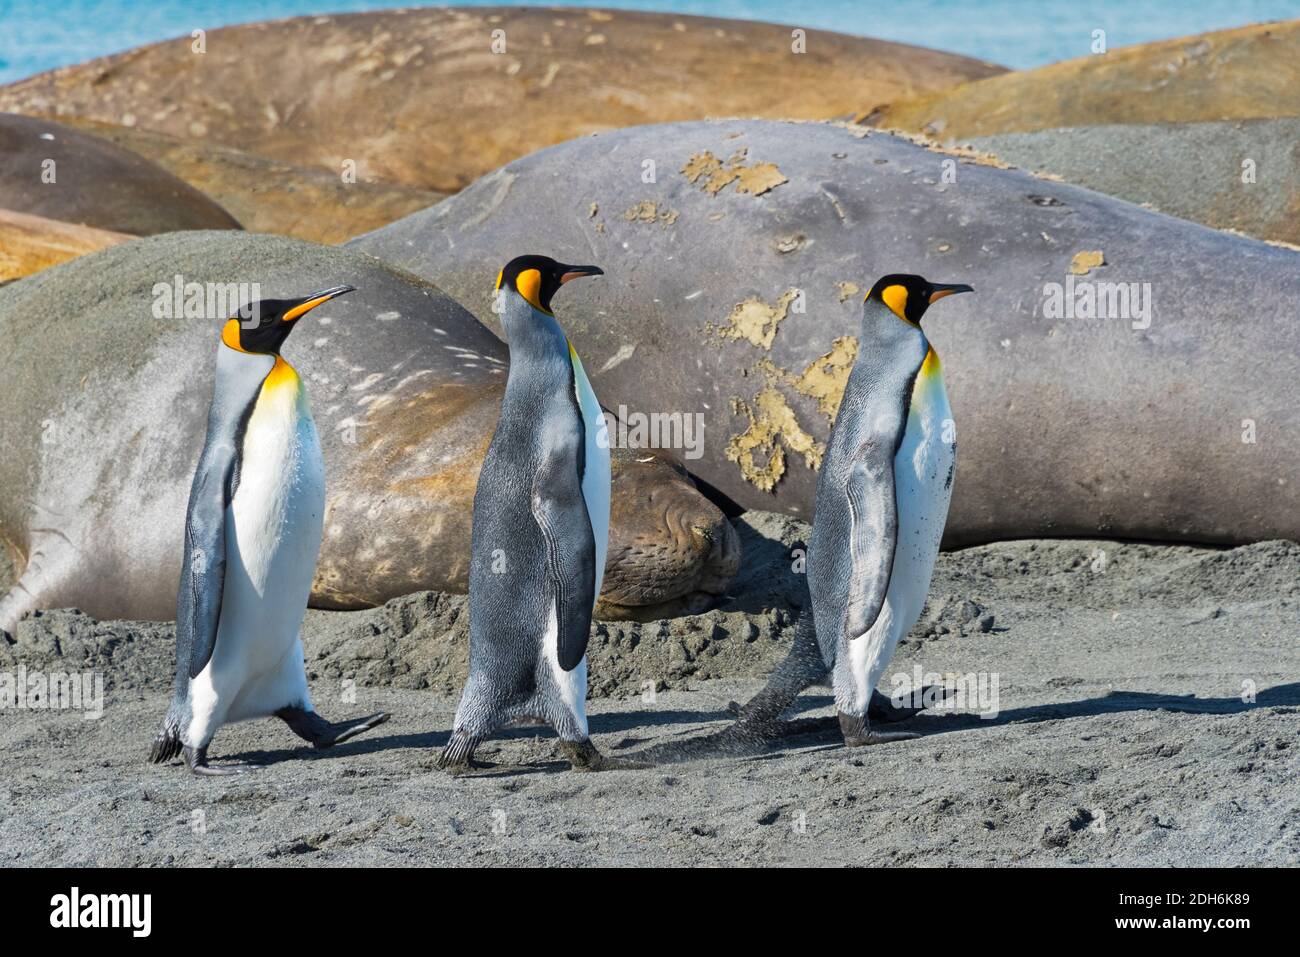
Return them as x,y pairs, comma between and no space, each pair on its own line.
541,521
882,503
252,536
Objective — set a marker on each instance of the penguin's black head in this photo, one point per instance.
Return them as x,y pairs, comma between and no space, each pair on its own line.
909,296
536,278
261,327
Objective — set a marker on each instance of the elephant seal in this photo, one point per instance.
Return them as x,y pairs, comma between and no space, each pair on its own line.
29,244
268,195
105,409
675,551
50,170
1244,73
494,83
741,274
1237,174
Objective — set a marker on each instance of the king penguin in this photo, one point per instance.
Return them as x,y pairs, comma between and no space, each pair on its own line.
882,503
252,536
539,532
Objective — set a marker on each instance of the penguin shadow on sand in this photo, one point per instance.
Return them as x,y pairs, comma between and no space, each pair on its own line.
822,733
538,760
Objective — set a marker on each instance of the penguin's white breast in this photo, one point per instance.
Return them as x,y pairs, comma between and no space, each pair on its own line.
275,521
923,471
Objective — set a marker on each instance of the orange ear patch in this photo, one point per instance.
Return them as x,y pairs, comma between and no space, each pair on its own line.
230,335
895,297
529,284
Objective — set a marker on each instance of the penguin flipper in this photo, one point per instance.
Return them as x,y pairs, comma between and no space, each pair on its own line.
561,514
203,571
873,509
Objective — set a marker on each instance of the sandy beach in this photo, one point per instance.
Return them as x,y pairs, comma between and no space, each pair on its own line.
1121,734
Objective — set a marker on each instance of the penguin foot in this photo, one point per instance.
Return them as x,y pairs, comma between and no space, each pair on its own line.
458,756
310,726
883,708
583,756
196,759
857,732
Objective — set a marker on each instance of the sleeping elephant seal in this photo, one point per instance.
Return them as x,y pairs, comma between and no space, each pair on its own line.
434,98
1118,373
1243,73
1235,174
107,376
268,195
674,550
51,170
29,243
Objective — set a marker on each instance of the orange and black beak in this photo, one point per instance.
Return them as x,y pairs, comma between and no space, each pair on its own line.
939,290
309,303
577,272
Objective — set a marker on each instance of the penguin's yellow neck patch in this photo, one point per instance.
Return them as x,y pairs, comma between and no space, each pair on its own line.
931,367
281,376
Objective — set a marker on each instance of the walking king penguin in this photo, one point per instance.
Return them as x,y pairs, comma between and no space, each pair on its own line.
252,535
541,520
882,502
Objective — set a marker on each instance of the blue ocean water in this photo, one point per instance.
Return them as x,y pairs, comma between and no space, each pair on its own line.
38,35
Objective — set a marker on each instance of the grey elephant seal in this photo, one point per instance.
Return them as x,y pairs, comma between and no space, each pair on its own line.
51,170
105,407
1234,174
1121,374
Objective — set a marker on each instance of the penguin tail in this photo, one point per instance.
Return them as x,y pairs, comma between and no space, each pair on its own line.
167,743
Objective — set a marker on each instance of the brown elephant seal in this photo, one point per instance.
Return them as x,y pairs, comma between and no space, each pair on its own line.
434,98
104,414
1159,400
1243,73
268,195
51,170
29,243
675,551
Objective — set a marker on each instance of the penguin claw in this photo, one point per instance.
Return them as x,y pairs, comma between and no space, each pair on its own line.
196,759
352,730
310,726
883,709
857,732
